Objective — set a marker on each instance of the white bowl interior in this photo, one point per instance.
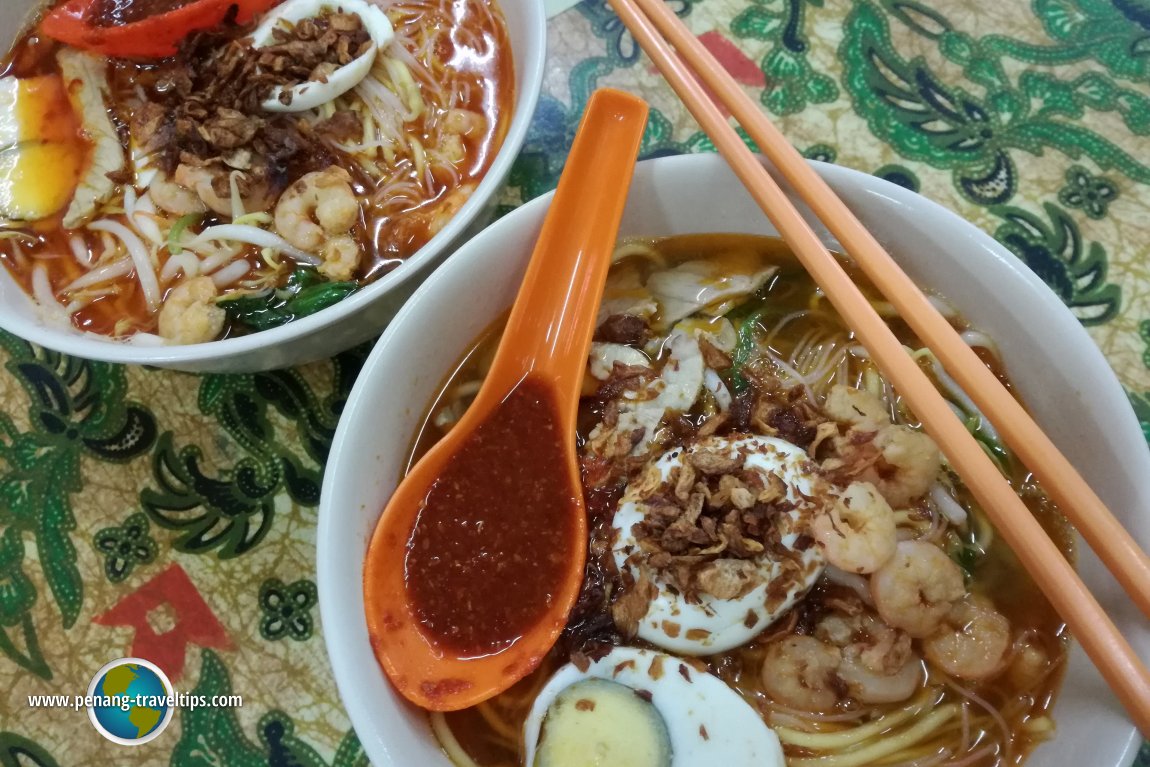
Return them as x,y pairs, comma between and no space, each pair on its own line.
351,321
1058,370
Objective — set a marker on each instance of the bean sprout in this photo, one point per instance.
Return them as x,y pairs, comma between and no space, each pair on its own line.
145,272
253,235
231,273
946,504
101,274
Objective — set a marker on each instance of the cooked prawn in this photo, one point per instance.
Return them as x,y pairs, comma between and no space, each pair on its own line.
915,458
190,314
872,686
464,122
319,206
446,209
857,407
1030,662
857,532
878,663
800,672
204,181
340,258
175,198
973,642
915,590
901,462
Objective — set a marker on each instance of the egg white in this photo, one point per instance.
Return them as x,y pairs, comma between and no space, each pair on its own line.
721,624
311,94
708,723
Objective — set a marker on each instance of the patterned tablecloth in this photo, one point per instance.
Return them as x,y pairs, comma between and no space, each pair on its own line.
172,517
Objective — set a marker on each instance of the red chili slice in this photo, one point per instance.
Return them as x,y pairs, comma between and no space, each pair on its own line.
153,37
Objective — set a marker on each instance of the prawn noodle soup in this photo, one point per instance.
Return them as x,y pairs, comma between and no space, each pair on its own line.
178,171
766,513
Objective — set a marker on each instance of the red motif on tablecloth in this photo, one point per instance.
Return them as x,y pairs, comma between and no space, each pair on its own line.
743,69
194,621
738,65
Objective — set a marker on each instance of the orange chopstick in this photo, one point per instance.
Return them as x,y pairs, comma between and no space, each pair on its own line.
1101,640
1109,540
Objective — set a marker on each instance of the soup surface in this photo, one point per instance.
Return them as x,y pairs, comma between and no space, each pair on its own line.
250,170
743,457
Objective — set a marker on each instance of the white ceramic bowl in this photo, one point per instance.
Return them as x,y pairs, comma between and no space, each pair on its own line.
1058,370
353,320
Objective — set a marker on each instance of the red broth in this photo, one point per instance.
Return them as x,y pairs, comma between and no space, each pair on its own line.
489,546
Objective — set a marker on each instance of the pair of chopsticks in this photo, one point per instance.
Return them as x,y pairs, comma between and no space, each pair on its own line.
673,47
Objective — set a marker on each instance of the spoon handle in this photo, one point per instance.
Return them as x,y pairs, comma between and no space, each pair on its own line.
553,318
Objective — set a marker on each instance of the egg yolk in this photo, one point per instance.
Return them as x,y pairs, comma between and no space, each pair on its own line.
42,149
598,723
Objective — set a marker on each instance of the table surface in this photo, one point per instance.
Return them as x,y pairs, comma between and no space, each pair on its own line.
172,517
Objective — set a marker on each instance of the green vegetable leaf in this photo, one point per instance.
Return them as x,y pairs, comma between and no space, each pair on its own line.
305,293
967,557
743,348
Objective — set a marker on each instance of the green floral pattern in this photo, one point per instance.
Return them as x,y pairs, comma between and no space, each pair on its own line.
125,546
793,81
212,736
1087,191
18,751
1113,32
1056,253
16,590
286,609
1030,119
975,128
75,410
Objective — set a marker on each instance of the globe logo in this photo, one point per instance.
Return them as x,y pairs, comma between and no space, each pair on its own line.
133,701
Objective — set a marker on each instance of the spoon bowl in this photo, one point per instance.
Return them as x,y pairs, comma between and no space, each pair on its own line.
479,555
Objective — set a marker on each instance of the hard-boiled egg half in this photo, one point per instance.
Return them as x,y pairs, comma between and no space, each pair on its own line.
643,708
58,147
712,625
313,93
41,149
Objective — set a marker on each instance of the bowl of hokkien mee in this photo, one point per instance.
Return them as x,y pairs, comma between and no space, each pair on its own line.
782,568
235,185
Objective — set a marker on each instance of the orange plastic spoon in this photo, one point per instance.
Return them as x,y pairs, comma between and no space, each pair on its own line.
441,664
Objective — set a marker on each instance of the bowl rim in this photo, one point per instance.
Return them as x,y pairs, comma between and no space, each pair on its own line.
338,628
72,342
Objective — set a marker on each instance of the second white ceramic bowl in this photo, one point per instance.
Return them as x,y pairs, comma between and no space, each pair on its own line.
1057,369
355,319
